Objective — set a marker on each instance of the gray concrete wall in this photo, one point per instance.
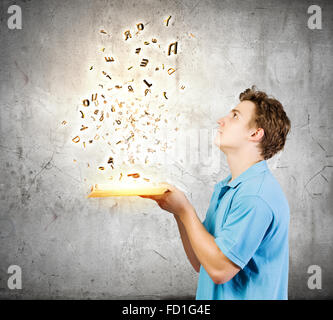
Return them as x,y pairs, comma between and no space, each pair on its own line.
69,246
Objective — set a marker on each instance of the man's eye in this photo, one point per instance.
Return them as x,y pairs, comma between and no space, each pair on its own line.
235,114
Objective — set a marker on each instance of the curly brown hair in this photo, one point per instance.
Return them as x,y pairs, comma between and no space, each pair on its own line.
270,116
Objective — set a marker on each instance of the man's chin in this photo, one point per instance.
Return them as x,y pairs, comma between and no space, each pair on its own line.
218,143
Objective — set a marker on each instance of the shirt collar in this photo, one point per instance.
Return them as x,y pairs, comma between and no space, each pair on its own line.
254,170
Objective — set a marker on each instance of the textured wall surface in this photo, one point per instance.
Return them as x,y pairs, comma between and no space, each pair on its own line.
69,246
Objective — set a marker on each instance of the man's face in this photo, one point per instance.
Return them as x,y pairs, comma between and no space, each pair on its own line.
234,131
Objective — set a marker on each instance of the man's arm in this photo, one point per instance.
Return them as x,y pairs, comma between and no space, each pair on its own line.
187,245
204,247
218,266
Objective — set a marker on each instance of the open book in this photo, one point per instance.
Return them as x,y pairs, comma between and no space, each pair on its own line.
102,190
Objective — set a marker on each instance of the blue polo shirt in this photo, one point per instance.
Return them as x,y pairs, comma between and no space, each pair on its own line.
249,219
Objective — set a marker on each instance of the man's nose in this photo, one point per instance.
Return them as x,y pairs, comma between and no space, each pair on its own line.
221,122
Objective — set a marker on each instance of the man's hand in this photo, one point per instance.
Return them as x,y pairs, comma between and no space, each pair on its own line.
173,200
199,244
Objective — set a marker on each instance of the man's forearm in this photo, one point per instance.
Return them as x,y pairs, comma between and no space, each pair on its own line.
187,245
203,244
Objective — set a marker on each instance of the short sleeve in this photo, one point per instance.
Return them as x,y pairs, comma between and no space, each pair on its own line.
244,229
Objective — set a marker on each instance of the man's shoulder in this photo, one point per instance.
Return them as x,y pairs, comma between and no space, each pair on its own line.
263,188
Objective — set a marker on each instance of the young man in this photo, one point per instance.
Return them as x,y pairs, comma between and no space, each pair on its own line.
241,249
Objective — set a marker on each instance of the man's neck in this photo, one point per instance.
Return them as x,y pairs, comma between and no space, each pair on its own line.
240,163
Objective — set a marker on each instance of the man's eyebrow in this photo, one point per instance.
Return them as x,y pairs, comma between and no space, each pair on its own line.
236,110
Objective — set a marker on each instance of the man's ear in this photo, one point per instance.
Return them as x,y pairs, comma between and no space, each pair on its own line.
257,135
